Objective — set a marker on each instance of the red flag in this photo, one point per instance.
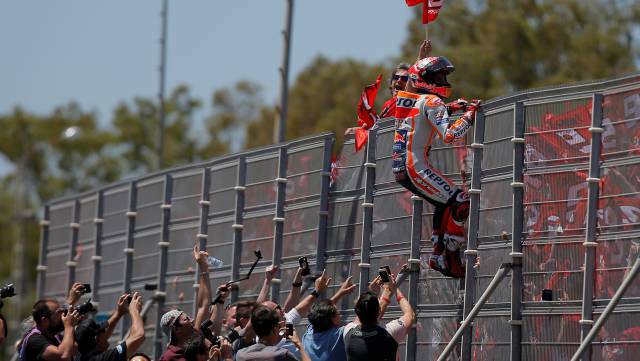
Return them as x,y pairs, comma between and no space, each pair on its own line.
430,8
367,116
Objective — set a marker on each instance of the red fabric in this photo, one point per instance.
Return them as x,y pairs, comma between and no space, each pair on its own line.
430,8
367,116
389,108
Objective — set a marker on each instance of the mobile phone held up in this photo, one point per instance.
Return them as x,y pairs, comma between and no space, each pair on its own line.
304,264
385,273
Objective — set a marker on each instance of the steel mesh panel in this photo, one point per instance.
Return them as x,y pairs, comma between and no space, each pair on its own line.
618,338
558,133
433,334
619,205
185,185
491,335
339,269
180,290
384,149
220,241
495,208
550,336
116,200
55,283
303,161
287,275
181,249
260,194
185,208
498,149
614,259
490,260
87,209
250,288
433,287
222,201
392,219
621,115
59,231
150,192
350,174
300,231
257,234
111,273
262,170
61,214
146,257
555,266
223,178
84,267
86,232
57,260
304,185
449,159
344,229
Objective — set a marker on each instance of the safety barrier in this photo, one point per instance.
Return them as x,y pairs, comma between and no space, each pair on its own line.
553,176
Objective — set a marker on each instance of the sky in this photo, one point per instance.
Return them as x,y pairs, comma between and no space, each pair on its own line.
100,53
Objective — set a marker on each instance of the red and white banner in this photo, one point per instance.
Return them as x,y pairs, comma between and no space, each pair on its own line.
430,8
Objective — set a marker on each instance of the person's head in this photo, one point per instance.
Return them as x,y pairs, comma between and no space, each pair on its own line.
367,309
243,312
47,315
324,315
195,350
429,76
266,324
276,307
86,336
177,326
140,357
230,316
399,78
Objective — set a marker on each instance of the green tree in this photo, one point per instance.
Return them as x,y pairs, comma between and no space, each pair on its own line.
136,131
499,46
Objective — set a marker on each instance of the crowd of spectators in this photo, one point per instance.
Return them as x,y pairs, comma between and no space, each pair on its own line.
246,330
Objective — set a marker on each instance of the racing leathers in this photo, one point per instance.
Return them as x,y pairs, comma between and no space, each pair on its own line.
419,118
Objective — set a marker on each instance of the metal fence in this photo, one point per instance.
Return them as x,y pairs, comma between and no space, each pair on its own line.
566,218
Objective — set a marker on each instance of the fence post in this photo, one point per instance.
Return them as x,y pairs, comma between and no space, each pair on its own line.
203,232
74,226
471,253
97,249
517,186
323,214
278,221
129,248
163,245
414,264
41,268
367,210
590,243
238,224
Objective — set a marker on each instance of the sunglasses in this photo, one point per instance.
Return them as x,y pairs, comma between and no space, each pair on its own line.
401,77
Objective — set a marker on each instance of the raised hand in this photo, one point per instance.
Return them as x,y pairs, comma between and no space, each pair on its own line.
122,306
323,282
136,303
270,272
201,258
76,291
376,285
346,287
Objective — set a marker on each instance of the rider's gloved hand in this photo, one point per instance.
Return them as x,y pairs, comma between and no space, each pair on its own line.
457,105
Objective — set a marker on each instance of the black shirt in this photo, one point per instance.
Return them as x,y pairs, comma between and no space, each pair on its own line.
36,344
118,353
370,344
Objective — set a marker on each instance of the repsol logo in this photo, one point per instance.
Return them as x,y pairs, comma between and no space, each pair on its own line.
439,181
405,102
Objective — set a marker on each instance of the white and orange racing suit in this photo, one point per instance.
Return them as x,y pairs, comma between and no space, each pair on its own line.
419,119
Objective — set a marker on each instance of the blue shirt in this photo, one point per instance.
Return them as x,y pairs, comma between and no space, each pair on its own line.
325,346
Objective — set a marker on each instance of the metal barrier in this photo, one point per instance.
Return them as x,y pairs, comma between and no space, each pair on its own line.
544,198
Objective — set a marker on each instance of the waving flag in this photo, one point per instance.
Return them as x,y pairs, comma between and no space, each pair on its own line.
367,116
430,8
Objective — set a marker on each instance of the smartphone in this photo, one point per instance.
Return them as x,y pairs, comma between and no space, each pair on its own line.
384,274
150,286
304,264
289,329
86,287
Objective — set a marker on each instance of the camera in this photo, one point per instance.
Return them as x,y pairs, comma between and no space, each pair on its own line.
304,264
86,288
385,273
6,291
289,330
83,309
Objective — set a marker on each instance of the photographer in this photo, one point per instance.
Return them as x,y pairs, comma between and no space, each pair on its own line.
41,342
93,338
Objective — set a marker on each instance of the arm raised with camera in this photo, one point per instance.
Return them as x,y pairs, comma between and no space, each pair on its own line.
66,349
121,310
204,285
136,333
294,295
217,316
